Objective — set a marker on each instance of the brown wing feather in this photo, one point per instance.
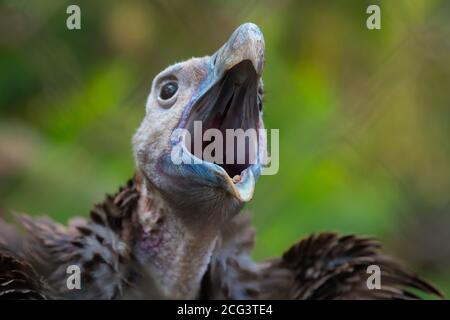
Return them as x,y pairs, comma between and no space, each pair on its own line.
328,266
324,266
100,247
18,280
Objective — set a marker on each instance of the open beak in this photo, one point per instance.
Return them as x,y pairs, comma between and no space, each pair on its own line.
229,99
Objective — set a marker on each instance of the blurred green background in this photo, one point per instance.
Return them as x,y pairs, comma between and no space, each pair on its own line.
363,115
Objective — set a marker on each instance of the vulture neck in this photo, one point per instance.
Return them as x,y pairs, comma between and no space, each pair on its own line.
174,254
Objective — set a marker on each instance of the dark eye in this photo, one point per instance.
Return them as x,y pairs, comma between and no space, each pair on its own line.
168,90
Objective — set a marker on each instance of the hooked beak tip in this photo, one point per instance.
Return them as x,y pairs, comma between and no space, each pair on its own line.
246,43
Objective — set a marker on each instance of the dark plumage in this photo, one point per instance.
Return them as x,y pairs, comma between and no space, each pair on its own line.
18,279
323,266
328,266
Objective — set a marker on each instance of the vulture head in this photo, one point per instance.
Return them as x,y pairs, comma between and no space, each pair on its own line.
173,146
164,236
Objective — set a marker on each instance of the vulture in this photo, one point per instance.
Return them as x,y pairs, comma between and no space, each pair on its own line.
175,230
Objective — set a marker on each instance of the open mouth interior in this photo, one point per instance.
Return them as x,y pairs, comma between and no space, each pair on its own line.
232,103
